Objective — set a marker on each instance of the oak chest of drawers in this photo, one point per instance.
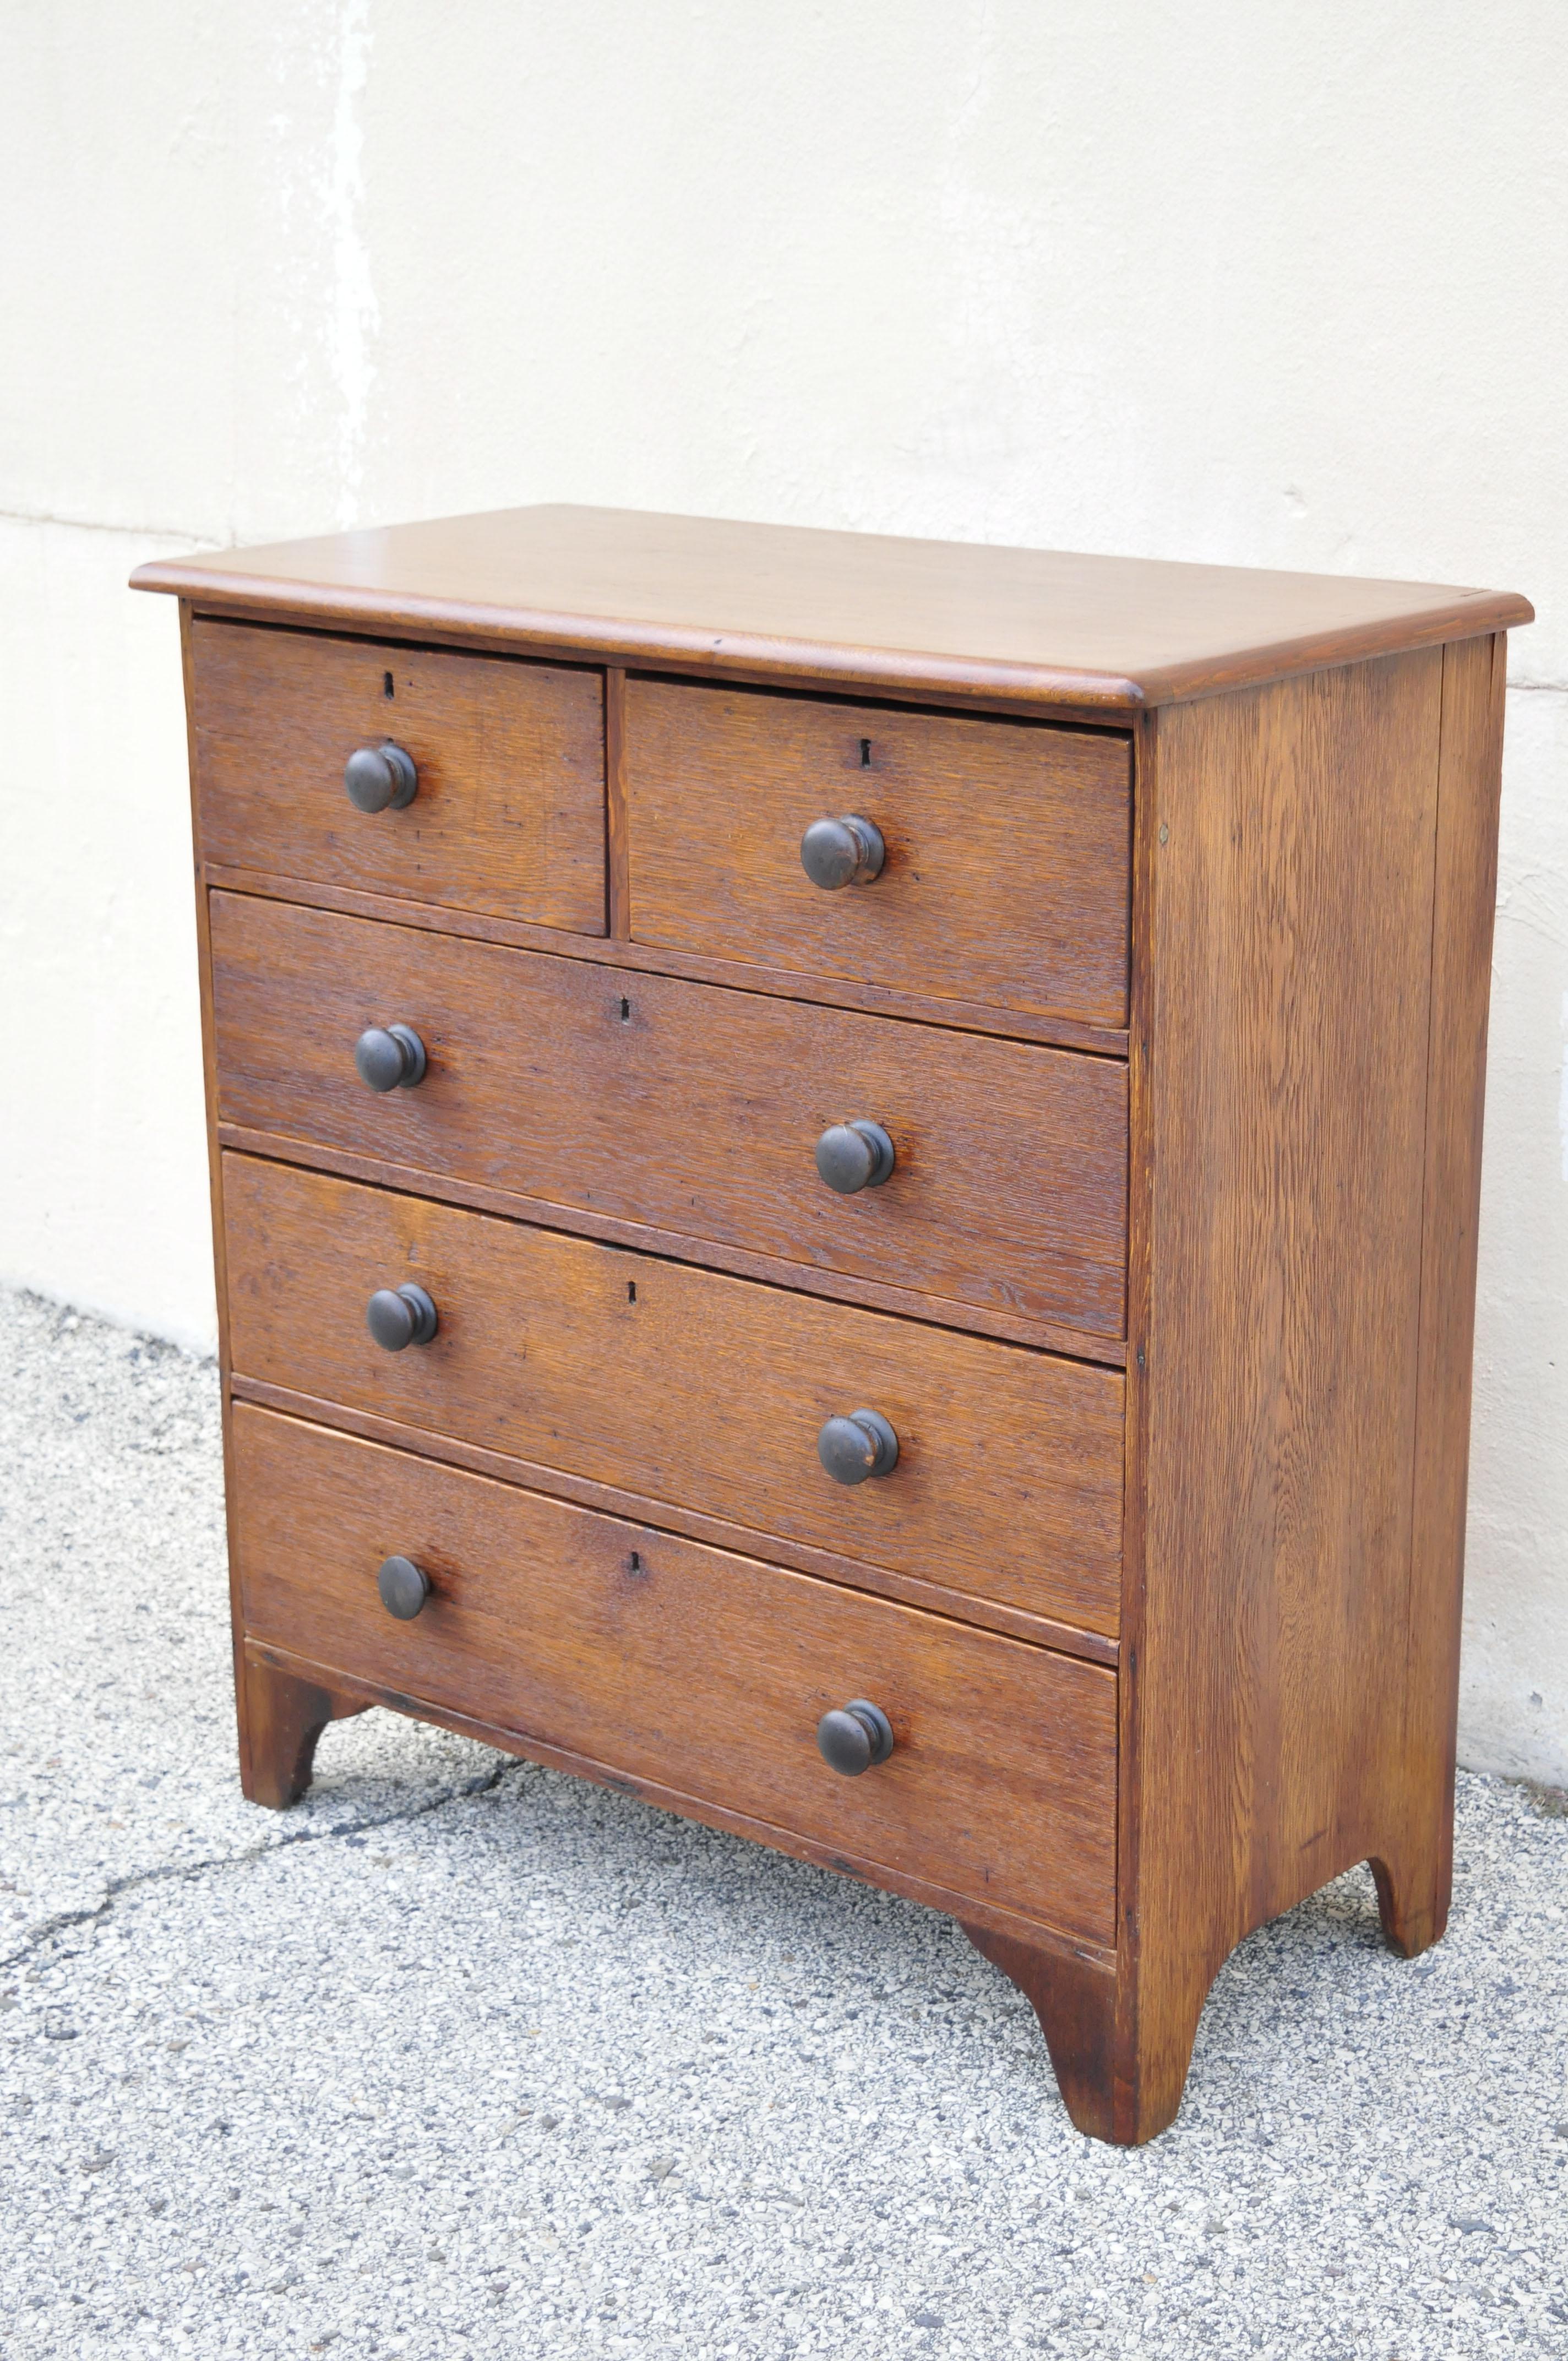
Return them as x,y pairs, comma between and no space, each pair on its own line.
845,1179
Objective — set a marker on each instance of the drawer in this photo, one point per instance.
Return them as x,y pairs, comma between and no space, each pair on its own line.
683,1385
689,1109
1005,879
508,815
703,1672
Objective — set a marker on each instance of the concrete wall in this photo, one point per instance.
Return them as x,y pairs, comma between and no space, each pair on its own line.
1285,287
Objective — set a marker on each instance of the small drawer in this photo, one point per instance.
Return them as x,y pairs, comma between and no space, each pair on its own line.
1006,846
508,813
694,1112
683,1385
704,1672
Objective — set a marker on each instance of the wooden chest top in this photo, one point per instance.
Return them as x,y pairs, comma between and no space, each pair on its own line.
1038,627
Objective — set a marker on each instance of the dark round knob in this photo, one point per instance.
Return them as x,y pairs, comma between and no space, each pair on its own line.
857,1155
381,778
401,1316
404,1588
390,1058
860,1445
852,1739
847,850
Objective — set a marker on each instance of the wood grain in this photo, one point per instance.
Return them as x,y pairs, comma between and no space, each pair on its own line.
1120,2103
615,834
1415,1865
1007,844
214,1176
281,1719
693,1110
903,1302
1283,1139
681,1385
944,619
718,1532
509,817
709,1672
1076,2001
737,975
969,1908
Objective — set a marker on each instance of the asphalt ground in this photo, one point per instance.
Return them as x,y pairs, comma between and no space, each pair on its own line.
462,2057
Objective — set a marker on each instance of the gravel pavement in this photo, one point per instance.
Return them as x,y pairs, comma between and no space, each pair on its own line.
462,2058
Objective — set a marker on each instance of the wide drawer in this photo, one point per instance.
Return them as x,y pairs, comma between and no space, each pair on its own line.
702,1672
689,1109
683,1386
509,815
1006,872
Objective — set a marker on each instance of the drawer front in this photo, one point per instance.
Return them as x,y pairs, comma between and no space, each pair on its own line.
1005,879
689,1387
689,1109
508,815
702,1671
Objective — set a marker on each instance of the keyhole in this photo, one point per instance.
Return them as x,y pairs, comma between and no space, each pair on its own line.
387,689
631,1291
626,1011
636,1562
865,753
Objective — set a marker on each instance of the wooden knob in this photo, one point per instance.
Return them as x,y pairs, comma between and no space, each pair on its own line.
847,850
853,1737
404,1588
381,778
391,1057
858,1446
855,1155
398,1317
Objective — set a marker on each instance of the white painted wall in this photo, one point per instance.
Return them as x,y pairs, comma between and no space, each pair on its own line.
1282,286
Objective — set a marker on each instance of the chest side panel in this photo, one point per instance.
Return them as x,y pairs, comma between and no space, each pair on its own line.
1279,1176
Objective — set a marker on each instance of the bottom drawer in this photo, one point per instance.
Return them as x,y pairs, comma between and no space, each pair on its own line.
701,1672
